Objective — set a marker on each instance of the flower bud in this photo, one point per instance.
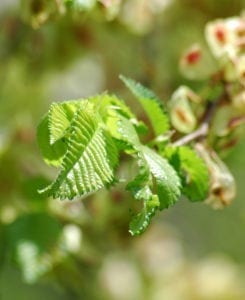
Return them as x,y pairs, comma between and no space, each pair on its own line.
224,36
196,63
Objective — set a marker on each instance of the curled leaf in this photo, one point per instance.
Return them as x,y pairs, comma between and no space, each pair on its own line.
89,162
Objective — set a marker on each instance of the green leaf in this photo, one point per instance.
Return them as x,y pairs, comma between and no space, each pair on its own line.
142,220
60,116
167,182
151,104
107,104
157,185
127,132
90,158
53,128
111,109
52,153
141,188
59,129
193,171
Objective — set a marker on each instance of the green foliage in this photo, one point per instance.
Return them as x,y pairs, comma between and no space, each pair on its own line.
157,184
52,153
89,160
59,119
85,137
151,104
167,183
193,171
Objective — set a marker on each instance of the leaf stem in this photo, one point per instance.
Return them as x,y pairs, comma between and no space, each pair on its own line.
200,132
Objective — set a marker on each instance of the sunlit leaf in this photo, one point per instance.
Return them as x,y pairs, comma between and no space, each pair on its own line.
60,116
52,153
192,168
167,182
151,104
89,161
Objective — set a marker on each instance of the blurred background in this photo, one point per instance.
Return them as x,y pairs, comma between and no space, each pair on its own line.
81,249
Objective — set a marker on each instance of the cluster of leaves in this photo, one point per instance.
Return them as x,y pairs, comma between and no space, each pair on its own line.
85,138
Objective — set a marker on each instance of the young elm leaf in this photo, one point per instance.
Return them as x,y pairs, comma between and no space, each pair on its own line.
52,153
89,162
167,182
150,103
60,116
193,171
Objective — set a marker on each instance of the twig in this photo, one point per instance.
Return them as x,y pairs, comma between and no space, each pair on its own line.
202,131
